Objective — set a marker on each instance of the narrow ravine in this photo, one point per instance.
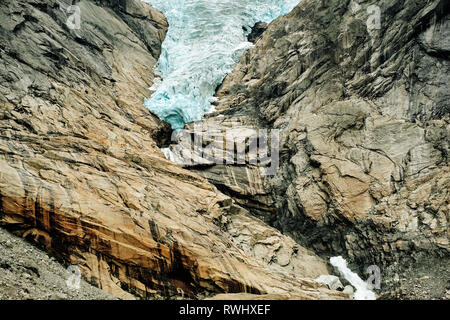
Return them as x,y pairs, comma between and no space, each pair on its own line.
206,38
204,43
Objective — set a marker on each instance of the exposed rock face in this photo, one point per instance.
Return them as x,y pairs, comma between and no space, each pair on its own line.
363,113
81,173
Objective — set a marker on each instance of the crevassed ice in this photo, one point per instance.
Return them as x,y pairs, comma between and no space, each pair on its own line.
204,42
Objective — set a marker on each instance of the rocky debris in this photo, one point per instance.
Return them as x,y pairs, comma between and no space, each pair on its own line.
363,117
27,273
426,280
257,31
81,173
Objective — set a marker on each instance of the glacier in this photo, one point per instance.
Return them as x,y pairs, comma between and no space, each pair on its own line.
205,40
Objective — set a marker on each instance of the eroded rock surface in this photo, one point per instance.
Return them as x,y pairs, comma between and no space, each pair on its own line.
81,173
363,115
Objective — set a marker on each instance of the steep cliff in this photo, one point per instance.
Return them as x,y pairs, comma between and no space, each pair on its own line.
82,176
359,93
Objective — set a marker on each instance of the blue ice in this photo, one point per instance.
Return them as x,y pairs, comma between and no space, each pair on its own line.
204,42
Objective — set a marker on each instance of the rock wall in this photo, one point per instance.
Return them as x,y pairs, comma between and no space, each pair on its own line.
81,174
363,115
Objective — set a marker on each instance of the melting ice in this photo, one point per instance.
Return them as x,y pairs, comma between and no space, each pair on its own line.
204,42
362,290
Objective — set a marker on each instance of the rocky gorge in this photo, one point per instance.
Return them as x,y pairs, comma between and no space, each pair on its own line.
363,117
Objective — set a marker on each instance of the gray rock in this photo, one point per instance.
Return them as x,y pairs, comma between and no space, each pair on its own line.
331,281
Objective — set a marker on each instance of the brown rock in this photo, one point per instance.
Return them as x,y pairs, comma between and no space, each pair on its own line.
81,173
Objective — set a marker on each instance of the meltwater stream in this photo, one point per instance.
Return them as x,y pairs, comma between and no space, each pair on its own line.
205,40
362,290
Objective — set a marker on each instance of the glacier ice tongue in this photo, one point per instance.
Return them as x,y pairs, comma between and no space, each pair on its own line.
206,38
